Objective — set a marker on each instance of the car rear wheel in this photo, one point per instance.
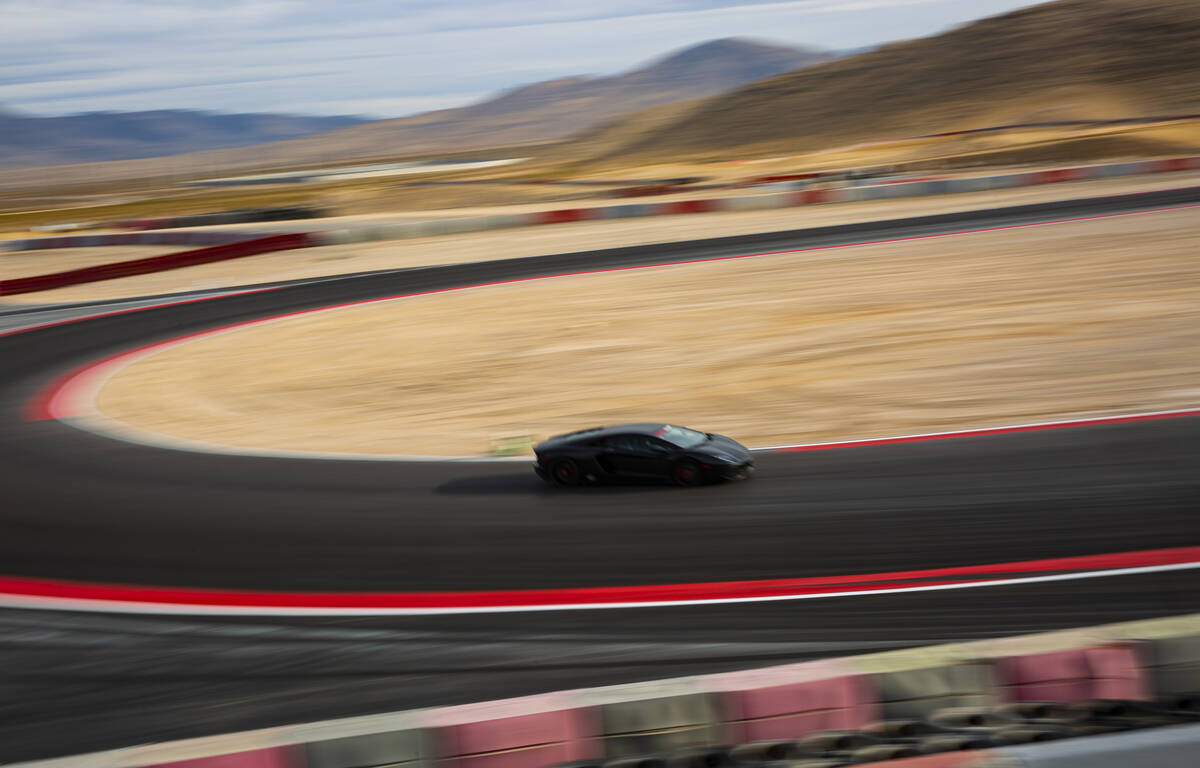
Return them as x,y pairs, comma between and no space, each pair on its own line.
686,472
565,472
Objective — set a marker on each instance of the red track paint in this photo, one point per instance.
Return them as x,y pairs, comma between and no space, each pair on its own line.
984,432
932,578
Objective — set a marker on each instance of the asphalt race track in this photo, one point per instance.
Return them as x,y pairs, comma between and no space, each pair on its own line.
79,506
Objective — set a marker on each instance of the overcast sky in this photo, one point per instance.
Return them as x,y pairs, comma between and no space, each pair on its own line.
386,58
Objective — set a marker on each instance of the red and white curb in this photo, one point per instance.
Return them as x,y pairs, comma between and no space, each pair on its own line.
1123,418
68,595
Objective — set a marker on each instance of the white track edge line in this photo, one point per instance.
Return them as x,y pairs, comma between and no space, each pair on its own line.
116,606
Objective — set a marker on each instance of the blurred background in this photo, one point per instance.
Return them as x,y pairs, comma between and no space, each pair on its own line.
834,231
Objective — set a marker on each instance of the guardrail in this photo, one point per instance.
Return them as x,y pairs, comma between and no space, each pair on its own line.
219,218
126,238
235,250
1132,661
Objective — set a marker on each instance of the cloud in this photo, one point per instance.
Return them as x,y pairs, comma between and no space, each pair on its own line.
389,57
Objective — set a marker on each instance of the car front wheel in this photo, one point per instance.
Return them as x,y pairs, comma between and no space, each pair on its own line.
686,472
565,472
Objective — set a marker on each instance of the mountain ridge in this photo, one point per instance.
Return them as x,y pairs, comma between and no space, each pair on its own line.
1070,59
32,140
524,114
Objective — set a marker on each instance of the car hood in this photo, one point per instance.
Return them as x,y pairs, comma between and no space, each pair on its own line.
719,445
557,441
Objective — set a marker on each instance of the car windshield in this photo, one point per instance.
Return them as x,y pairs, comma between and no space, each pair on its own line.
681,436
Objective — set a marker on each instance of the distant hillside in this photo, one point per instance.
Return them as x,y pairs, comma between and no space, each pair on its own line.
1072,59
554,108
27,141
529,114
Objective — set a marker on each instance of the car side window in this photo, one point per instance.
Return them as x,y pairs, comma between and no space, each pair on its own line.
656,446
621,443
637,444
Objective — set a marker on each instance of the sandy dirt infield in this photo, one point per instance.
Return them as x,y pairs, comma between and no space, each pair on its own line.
537,240
1065,320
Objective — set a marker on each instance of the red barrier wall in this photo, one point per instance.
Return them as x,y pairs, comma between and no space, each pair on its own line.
688,206
1060,174
794,709
812,196
271,757
1105,672
785,177
562,215
154,264
518,742
1177,164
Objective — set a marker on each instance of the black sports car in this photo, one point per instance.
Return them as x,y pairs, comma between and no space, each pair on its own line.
641,451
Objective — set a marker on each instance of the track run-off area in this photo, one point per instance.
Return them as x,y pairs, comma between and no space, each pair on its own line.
215,591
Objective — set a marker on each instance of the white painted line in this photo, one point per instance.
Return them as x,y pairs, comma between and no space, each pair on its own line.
116,606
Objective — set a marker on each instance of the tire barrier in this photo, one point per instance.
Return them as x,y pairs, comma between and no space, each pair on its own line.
399,748
127,238
911,693
144,266
267,243
887,189
999,701
1174,668
219,218
665,724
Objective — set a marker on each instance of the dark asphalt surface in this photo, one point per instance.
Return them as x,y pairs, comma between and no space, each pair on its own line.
79,506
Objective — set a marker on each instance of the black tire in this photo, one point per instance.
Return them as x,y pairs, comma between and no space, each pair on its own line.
565,472
686,473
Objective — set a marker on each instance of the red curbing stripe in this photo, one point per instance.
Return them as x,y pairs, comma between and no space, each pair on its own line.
59,399
984,432
733,590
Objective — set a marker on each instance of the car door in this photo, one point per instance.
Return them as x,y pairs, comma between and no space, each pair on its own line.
660,456
636,455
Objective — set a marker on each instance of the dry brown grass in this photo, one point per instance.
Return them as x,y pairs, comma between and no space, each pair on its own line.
1064,320
1042,147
